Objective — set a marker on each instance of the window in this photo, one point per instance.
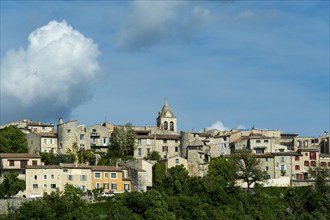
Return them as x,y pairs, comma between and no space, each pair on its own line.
106,175
328,164
298,144
83,188
53,186
306,163
113,175
148,142
266,168
35,177
177,161
70,177
34,162
282,167
164,141
12,163
165,125
113,186
97,175
83,178
106,185
45,186
259,151
139,151
312,156
127,187
105,141
266,141
165,148
176,149
98,185
51,141
52,176
258,141
82,137
171,126
123,173
282,159
45,141
313,163
139,142
323,164
148,151
45,177
35,186
65,170
297,167
224,138
296,158
306,144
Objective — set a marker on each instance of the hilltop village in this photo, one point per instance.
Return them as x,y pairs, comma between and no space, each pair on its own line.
286,158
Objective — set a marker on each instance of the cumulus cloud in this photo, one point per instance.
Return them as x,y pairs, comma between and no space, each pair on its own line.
51,76
154,22
219,126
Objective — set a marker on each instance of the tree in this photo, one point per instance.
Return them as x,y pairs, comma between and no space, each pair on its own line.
48,158
85,156
68,204
154,156
13,140
224,168
122,141
11,185
249,168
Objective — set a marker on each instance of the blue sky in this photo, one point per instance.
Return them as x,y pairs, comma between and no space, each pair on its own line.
223,64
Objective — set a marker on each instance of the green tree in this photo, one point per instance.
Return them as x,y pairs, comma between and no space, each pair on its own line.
11,185
48,158
13,140
176,181
85,156
225,168
122,141
68,204
154,156
249,168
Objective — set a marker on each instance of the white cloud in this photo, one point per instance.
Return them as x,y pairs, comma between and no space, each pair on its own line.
154,22
219,126
52,75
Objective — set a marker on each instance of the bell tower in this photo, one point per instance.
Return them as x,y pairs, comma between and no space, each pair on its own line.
166,119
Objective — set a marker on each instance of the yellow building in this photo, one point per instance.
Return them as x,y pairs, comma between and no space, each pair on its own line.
111,179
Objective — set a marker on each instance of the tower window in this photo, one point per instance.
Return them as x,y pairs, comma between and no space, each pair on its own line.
165,125
171,126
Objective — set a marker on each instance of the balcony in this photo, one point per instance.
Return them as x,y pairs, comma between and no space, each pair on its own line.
95,134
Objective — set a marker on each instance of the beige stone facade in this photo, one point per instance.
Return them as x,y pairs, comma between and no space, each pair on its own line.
42,142
42,180
16,163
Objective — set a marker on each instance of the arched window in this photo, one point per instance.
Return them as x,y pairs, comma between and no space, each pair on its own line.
171,126
165,125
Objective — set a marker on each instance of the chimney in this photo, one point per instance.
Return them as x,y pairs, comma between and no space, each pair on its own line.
60,121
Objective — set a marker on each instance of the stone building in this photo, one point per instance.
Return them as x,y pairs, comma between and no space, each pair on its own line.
162,138
69,133
27,126
42,142
16,163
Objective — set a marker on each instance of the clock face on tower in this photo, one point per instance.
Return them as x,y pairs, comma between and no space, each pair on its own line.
168,114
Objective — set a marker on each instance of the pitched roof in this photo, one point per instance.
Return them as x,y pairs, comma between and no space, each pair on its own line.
19,155
166,109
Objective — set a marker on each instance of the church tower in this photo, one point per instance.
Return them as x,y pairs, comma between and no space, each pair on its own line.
166,119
